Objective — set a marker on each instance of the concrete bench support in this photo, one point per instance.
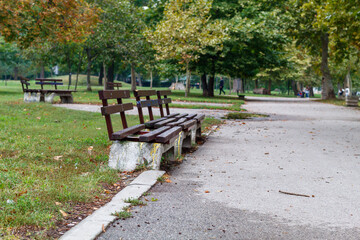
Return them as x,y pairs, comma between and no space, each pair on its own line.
127,155
36,97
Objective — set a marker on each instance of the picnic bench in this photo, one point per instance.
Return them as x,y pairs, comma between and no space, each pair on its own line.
146,143
42,94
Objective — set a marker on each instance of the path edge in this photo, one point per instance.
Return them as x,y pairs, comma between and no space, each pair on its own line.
94,224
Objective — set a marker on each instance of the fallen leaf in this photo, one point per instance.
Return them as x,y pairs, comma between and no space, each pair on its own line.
207,191
168,180
57,158
63,213
103,228
38,118
146,199
57,204
154,199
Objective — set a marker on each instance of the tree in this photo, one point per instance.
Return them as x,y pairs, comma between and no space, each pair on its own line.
312,35
30,22
185,32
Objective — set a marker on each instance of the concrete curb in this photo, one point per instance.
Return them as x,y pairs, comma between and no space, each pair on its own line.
92,226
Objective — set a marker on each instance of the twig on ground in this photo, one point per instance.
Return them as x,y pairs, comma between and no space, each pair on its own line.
294,194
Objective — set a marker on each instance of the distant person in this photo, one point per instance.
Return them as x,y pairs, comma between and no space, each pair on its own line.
221,86
341,92
307,92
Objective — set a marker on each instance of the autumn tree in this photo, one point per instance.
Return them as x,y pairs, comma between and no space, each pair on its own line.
185,32
29,22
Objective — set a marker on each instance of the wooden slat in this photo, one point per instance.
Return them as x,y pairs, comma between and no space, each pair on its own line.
152,135
144,93
181,115
164,122
147,103
48,80
168,135
164,93
114,84
190,116
113,94
200,117
151,124
172,115
181,120
126,132
164,101
116,108
188,124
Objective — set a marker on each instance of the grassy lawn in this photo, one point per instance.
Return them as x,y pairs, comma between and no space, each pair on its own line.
45,162
83,96
338,102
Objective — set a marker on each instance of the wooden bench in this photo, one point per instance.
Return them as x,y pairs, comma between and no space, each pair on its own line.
65,95
189,123
136,144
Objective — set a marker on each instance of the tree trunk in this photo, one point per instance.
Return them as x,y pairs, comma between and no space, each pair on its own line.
151,78
241,85
105,77
110,72
327,89
230,87
68,60
78,70
294,87
256,83
311,91
42,71
269,87
188,74
204,85
88,54
133,77
288,87
16,72
212,78
101,75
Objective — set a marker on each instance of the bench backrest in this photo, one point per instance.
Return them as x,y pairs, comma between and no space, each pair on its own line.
119,107
112,85
47,81
24,84
147,102
164,100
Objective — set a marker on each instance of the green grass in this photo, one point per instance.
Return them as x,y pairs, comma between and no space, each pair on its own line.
44,160
338,102
238,115
122,214
135,202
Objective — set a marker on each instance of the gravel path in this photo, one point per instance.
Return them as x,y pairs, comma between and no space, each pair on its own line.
229,187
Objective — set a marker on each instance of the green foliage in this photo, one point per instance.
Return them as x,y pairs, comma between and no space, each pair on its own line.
135,202
122,214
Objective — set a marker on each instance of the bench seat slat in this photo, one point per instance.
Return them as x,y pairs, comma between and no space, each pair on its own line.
164,122
151,124
181,115
188,124
181,120
152,135
168,135
113,94
171,115
127,131
200,117
116,108
191,116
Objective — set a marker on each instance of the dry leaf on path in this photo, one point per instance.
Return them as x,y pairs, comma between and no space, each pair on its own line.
63,213
57,158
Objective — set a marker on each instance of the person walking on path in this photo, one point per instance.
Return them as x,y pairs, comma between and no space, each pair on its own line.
221,86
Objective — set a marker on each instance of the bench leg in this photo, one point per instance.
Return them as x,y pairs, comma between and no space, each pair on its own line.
67,99
31,97
126,155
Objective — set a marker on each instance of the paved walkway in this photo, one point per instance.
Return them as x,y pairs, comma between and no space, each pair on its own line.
229,187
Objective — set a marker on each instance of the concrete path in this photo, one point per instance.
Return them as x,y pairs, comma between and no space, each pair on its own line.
229,187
